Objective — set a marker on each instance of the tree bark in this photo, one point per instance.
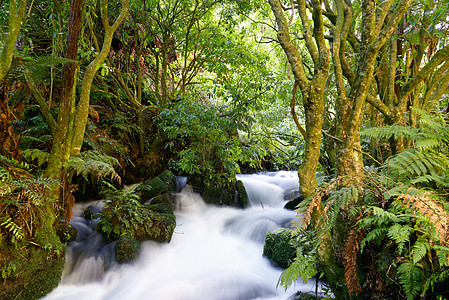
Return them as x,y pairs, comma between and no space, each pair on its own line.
82,110
16,15
312,90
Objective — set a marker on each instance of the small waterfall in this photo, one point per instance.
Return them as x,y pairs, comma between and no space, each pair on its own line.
215,253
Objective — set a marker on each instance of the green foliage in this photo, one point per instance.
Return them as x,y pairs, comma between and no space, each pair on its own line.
8,270
278,247
305,263
93,165
15,230
427,162
208,142
413,232
36,155
124,214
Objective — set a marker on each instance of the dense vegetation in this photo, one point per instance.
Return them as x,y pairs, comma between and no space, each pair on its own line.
95,95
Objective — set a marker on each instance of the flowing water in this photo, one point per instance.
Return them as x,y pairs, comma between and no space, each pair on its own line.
215,252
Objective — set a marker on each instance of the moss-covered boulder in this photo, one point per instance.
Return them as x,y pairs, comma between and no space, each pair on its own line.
242,196
141,222
163,183
126,248
165,208
278,248
232,194
159,227
292,204
170,180
29,273
31,252
166,198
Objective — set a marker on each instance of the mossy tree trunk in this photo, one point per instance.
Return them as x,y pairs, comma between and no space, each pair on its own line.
71,121
16,15
403,71
353,60
82,110
312,90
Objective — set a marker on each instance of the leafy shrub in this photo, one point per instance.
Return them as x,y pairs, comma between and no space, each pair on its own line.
207,142
124,214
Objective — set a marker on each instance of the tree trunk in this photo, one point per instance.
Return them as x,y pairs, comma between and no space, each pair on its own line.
312,90
61,146
82,110
16,14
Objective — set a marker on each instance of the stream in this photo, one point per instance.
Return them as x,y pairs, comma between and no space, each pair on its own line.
215,252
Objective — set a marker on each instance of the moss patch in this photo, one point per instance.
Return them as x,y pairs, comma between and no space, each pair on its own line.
34,272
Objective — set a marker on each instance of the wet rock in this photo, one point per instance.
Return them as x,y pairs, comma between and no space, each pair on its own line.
234,194
170,180
277,248
126,248
293,203
166,198
242,196
164,183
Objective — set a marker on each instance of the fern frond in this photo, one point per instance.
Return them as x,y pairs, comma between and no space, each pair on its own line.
377,234
425,206
441,181
400,234
419,250
434,278
386,132
412,162
94,163
36,154
304,266
410,277
427,143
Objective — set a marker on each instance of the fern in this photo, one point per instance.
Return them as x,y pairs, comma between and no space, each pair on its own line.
94,164
377,234
412,162
392,131
305,264
15,230
411,278
36,154
419,250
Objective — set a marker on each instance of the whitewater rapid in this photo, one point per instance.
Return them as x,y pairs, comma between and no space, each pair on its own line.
215,253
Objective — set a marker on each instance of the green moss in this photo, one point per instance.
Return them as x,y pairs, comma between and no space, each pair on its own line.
161,208
126,248
166,198
278,248
170,180
151,188
36,272
242,196
163,183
